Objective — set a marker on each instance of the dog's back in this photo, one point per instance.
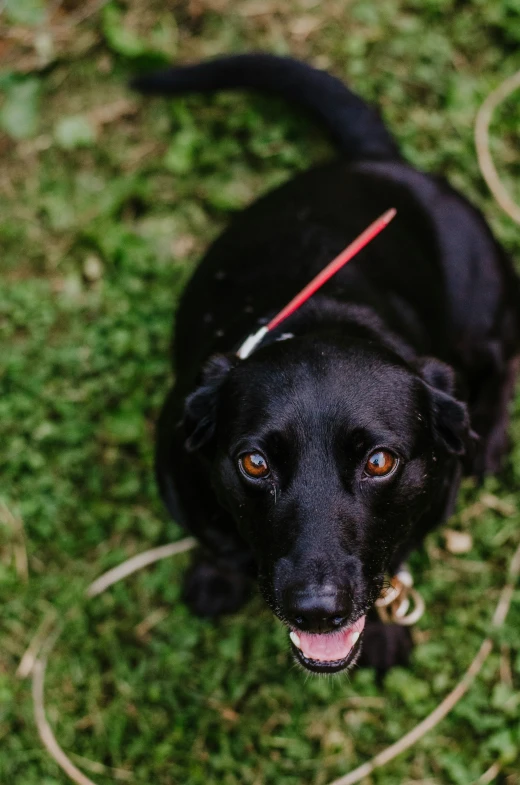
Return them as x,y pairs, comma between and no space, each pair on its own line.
480,288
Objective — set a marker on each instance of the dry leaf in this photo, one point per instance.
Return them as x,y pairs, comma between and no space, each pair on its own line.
457,542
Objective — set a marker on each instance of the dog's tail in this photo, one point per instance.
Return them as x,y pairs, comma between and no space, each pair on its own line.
355,126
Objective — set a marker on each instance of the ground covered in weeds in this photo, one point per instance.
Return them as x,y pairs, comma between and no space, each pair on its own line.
107,202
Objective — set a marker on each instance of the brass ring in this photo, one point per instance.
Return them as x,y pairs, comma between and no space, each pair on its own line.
390,596
416,613
394,605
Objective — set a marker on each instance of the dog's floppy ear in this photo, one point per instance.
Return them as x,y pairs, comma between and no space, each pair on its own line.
200,407
450,415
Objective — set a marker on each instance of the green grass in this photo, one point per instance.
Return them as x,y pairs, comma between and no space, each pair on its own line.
102,220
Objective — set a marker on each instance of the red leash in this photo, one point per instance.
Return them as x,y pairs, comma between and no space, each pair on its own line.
345,256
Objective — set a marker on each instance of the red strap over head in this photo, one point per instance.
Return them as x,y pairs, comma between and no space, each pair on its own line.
345,256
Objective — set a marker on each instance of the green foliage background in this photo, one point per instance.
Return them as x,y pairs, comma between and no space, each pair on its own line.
107,202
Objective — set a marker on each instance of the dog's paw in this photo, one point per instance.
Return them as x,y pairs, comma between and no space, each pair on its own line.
384,646
210,590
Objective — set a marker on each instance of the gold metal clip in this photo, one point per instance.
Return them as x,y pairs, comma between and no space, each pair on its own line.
400,603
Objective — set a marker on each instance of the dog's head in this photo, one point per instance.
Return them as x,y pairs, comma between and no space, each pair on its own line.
326,452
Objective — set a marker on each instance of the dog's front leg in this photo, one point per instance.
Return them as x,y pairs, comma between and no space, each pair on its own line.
384,646
216,586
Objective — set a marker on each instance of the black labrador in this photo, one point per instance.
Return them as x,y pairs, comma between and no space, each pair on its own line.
319,462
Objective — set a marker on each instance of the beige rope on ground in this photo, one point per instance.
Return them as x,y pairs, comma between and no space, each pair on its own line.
44,729
39,663
485,160
149,557
137,563
444,708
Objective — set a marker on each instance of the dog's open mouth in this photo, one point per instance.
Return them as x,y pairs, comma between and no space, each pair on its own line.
329,652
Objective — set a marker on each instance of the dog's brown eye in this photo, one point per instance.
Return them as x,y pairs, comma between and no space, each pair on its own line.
254,465
380,463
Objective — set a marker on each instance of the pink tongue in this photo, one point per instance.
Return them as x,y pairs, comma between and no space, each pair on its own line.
330,646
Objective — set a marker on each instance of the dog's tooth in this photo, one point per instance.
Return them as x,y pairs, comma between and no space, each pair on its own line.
295,639
355,637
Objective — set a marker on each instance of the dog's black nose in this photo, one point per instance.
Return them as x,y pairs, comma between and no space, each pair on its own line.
319,610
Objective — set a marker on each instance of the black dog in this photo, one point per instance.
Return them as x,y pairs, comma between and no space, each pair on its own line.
319,462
